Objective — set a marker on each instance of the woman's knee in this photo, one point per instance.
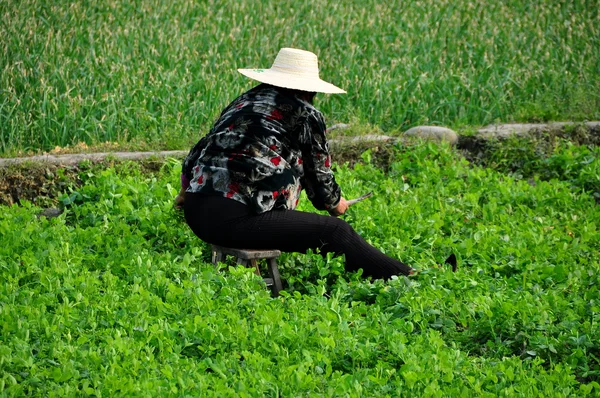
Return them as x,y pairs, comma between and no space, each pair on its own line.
342,230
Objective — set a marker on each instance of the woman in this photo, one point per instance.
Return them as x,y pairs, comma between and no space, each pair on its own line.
242,181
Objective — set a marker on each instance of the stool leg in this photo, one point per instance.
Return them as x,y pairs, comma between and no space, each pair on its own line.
217,256
274,273
254,263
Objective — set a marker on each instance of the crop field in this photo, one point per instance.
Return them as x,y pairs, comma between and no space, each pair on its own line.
116,296
154,74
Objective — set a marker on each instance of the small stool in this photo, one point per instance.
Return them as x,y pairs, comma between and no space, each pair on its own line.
249,258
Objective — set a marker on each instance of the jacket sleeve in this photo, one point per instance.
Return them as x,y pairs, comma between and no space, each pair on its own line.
318,180
189,162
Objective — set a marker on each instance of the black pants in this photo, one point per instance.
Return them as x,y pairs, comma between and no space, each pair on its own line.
226,222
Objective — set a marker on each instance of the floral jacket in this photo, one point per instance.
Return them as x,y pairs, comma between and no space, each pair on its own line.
266,146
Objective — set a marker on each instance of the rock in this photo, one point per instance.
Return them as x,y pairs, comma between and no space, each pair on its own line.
50,212
433,133
76,158
339,126
368,139
371,138
507,130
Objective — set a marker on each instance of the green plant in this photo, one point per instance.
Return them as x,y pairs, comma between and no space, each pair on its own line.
155,74
117,296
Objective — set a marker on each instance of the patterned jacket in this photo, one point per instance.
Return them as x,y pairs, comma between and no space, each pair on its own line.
266,146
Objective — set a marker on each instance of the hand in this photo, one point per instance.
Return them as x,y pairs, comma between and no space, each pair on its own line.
179,199
340,208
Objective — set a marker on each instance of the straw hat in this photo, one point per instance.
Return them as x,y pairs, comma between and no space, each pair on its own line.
296,69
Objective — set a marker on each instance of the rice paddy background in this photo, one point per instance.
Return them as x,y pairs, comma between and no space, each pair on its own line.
157,72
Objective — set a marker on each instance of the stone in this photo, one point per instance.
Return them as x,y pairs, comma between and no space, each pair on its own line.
50,212
339,126
360,139
99,156
371,138
435,133
519,129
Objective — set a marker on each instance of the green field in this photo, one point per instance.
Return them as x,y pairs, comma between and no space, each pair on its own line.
116,297
155,73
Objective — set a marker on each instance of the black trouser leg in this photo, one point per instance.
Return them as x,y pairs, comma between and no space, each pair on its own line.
229,223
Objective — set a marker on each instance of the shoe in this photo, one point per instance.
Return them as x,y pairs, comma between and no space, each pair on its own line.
452,261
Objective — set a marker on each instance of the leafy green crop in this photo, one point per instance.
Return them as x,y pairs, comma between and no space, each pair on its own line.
545,158
116,297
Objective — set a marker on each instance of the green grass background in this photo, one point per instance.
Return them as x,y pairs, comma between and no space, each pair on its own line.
157,72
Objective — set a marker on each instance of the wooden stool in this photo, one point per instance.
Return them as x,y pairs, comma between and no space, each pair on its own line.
249,258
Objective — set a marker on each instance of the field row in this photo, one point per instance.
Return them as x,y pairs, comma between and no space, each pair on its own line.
155,73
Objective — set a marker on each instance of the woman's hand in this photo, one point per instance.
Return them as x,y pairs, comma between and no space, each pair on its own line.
340,208
179,199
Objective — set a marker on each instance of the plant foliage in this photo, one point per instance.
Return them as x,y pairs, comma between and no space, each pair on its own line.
158,72
116,297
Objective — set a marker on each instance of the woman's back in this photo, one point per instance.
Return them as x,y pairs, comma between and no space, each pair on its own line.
261,148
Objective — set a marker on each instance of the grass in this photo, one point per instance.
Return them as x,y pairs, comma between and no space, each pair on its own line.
159,71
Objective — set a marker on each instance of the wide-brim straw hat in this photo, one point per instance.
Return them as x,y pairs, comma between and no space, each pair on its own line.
295,69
